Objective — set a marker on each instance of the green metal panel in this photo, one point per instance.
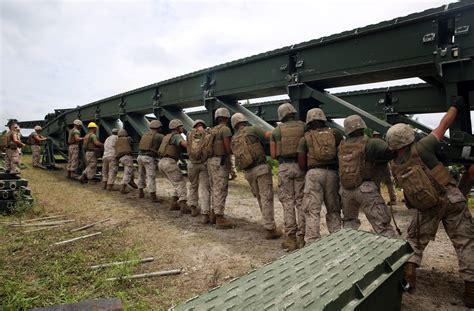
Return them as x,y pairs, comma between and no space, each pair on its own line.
344,271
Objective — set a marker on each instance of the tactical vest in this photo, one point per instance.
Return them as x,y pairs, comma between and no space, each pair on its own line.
321,147
123,146
31,139
421,186
247,148
88,144
353,167
167,149
218,145
199,145
10,143
291,133
70,139
146,141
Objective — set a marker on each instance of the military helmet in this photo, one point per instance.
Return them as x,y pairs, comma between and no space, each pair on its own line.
353,123
38,128
91,125
196,122
155,124
284,110
315,114
115,131
175,123
238,118
399,136
122,133
77,122
221,112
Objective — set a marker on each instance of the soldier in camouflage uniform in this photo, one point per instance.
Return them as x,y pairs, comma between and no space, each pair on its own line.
359,159
148,152
283,147
35,140
219,167
109,162
12,155
317,151
385,176
431,192
247,147
73,141
199,189
170,151
92,146
124,156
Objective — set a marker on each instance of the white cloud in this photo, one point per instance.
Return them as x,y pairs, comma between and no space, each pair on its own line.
60,54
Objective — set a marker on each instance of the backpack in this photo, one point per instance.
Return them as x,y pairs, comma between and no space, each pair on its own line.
246,148
352,163
200,145
321,145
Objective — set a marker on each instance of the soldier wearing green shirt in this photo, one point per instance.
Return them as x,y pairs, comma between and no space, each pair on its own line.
359,159
91,146
247,147
73,141
35,141
431,192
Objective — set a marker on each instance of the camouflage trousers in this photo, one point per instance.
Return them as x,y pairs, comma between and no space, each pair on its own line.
290,193
367,196
199,189
261,184
233,168
458,223
128,169
109,170
73,158
321,186
36,155
91,165
12,160
147,170
170,169
219,181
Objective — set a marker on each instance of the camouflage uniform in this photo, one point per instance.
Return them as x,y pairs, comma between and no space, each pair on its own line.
128,169
91,156
73,152
147,170
452,210
367,195
219,168
109,162
290,182
35,150
169,167
12,155
259,176
199,183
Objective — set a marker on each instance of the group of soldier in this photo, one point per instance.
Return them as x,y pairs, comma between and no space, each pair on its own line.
318,166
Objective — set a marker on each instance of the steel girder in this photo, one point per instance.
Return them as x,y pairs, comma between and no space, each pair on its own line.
436,45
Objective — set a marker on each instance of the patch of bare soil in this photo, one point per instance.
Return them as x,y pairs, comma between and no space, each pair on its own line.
208,256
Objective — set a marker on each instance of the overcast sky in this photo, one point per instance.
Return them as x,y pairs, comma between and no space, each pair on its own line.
61,54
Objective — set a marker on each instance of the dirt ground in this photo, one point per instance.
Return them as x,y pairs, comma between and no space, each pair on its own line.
208,256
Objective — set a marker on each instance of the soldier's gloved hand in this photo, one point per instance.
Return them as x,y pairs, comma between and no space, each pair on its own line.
458,103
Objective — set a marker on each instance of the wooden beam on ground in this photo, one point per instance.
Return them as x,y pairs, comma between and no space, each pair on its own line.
117,263
76,239
51,223
146,275
89,225
43,228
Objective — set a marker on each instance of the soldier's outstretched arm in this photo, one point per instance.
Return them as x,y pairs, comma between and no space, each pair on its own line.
273,149
226,141
445,122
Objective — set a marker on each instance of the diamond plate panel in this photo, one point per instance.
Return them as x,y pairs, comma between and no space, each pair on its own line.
337,272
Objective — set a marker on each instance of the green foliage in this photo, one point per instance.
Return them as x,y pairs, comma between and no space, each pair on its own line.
274,164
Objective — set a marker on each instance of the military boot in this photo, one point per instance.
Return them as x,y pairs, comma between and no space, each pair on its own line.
83,179
212,217
105,185
174,204
132,184
184,208
290,243
469,294
110,187
409,273
204,219
272,234
223,223
69,174
300,241
194,211
123,189
141,193
153,197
